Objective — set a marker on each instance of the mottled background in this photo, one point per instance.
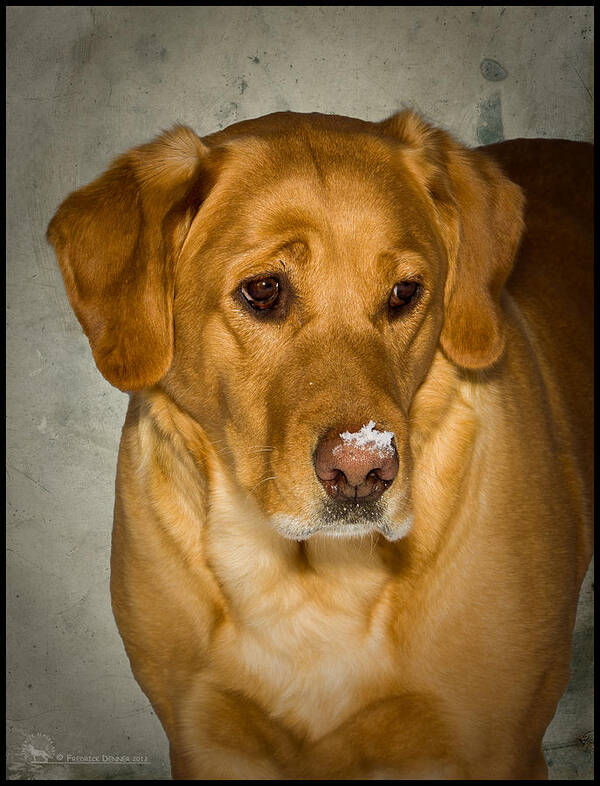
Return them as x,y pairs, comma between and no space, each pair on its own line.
86,83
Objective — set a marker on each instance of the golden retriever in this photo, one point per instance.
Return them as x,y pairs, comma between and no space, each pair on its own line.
353,495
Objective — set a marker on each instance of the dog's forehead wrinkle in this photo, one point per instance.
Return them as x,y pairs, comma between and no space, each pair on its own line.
310,187
332,159
315,162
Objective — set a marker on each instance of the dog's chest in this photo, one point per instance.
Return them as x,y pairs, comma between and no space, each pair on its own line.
308,659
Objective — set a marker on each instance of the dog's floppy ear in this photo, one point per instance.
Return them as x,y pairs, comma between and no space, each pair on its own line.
116,240
480,214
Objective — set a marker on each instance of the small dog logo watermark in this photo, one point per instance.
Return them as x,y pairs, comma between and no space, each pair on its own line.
29,759
37,749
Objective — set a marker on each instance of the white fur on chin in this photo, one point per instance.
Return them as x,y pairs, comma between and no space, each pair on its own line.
295,528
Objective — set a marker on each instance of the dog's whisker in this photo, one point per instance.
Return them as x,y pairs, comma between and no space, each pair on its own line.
372,543
213,441
225,449
264,480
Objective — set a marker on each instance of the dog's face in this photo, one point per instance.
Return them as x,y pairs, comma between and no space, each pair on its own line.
317,295
288,282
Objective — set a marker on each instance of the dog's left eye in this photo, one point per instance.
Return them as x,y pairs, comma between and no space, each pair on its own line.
403,293
262,292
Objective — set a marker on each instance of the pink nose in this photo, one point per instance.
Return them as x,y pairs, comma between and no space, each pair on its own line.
349,471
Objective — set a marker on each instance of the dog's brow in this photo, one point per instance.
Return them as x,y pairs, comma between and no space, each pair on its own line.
315,162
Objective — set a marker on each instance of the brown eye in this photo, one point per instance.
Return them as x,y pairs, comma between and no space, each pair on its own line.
403,293
262,293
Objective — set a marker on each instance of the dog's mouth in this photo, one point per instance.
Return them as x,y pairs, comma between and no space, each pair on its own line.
354,519
353,513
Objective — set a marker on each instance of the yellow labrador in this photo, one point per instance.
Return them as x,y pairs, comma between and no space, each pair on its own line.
354,485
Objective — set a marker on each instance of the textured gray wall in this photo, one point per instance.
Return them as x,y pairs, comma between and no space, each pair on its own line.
86,83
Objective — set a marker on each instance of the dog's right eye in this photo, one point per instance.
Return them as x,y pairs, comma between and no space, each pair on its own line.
262,292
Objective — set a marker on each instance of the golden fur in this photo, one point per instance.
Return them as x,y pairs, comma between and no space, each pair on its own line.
438,644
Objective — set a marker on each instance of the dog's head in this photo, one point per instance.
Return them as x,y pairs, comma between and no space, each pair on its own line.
288,282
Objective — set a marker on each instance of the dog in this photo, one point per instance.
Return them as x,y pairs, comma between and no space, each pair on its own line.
353,495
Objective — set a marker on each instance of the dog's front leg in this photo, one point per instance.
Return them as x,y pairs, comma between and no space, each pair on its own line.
223,735
399,738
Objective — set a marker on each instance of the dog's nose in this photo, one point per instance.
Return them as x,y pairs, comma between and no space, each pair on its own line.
352,467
